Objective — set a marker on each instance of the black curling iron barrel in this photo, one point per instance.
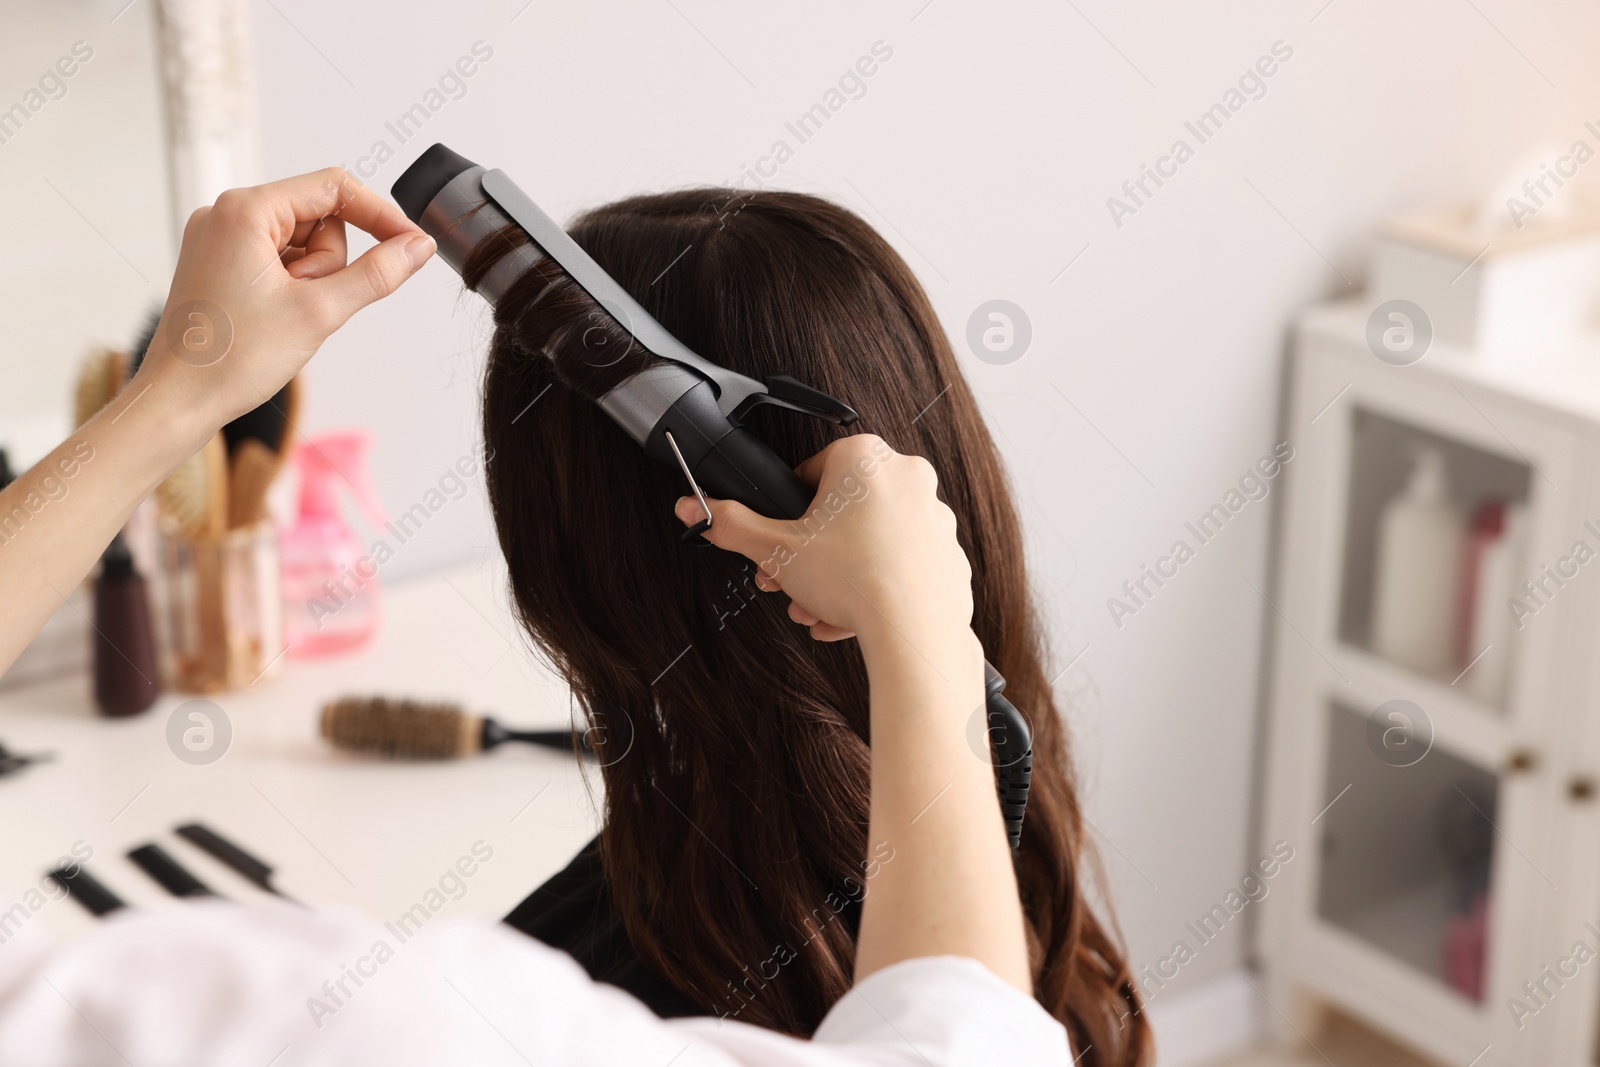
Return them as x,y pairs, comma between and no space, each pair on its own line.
684,410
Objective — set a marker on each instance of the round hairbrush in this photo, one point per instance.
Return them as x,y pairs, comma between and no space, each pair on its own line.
424,730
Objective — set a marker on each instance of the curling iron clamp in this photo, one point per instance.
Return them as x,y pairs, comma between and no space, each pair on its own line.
687,411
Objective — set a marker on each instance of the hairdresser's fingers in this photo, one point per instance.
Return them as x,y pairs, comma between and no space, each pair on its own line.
811,470
378,272
821,631
827,631
736,528
334,191
855,452
325,251
765,584
302,231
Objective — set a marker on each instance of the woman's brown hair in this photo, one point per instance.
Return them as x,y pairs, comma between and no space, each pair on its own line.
734,747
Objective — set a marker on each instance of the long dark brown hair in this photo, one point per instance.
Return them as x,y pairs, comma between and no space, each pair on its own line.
734,746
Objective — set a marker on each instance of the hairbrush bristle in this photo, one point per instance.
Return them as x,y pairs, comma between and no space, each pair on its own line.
195,494
403,729
99,378
142,343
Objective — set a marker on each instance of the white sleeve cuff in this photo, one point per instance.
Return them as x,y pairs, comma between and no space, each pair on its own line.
947,1010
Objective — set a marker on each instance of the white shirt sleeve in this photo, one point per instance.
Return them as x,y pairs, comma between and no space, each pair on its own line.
219,984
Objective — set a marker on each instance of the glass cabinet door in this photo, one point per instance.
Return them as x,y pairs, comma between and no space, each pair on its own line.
1435,556
1408,843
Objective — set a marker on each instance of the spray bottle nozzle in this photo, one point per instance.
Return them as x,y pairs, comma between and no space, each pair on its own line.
333,460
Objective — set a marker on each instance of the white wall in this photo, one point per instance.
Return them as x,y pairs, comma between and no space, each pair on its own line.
985,149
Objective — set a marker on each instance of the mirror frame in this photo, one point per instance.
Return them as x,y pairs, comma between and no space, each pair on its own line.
209,96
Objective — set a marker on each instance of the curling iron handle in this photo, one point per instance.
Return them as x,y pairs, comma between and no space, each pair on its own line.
1013,752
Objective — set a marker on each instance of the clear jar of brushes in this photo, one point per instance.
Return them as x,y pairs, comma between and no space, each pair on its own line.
221,616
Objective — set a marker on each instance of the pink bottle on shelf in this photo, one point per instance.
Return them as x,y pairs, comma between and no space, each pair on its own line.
330,579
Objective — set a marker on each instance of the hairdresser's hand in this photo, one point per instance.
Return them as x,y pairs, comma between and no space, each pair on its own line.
876,557
261,282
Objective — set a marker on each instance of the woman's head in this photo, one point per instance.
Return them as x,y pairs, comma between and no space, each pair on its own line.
734,746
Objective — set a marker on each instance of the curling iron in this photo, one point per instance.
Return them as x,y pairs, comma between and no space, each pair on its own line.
686,411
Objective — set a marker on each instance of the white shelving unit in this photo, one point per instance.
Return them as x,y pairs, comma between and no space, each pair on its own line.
1502,808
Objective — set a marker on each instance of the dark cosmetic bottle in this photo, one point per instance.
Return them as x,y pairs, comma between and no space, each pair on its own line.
126,678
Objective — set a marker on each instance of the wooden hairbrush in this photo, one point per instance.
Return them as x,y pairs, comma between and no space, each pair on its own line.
426,730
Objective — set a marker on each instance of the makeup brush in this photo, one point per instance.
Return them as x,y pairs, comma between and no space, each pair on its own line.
416,729
253,468
258,444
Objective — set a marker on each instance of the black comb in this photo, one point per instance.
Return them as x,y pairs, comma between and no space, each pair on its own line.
83,887
248,867
171,875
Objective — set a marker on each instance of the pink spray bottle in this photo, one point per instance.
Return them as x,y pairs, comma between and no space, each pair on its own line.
330,579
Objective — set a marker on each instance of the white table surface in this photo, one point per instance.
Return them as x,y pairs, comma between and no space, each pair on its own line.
361,832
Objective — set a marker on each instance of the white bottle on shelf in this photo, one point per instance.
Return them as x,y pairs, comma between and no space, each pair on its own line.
1416,592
